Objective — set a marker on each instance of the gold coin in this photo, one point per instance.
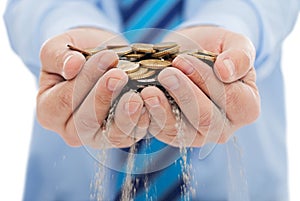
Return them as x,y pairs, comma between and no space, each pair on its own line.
115,46
142,47
122,50
134,56
95,50
128,66
193,51
164,45
206,52
204,57
138,73
166,52
147,81
144,75
155,63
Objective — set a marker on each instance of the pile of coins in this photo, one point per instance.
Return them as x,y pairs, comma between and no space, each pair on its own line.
143,61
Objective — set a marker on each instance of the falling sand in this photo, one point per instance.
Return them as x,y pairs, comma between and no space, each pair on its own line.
128,188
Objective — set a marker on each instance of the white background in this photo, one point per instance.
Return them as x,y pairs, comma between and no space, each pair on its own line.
17,103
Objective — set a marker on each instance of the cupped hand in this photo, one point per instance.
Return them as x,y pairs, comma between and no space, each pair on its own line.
215,102
75,95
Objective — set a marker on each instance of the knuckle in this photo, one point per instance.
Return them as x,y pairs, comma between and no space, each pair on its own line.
65,100
49,53
169,131
71,140
42,119
43,114
233,97
185,97
103,98
126,126
242,107
88,77
203,79
86,125
43,53
253,112
114,140
45,50
205,119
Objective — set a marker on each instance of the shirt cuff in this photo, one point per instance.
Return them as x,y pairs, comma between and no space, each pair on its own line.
72,15
236,16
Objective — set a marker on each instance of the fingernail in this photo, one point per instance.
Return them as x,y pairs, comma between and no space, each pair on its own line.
114,83
132,107
72,63
153,101
106,59
66,60
184,64
171,82
230,67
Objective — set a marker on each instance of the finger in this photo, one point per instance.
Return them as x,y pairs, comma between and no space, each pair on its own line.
123,130
128,112
243,101
236,52
236,58
162,117
57,58
176,132
89,117
142,125
202,76
239,100
199,110
60,99
164,125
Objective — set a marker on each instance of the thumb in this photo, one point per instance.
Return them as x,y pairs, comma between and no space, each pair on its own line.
236,59
57,58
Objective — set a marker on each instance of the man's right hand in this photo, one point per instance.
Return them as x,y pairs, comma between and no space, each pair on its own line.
75,95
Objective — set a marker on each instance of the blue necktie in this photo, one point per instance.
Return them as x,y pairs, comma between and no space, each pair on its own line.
165,184
138,14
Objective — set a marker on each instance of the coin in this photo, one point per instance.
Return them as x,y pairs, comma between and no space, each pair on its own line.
115,46
164,45
148,80
134,56
93,51
138,73
128,66
140,60
206,52
155,63
142,83
166,52
142,47
204,57
144,75
192,51
122,50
